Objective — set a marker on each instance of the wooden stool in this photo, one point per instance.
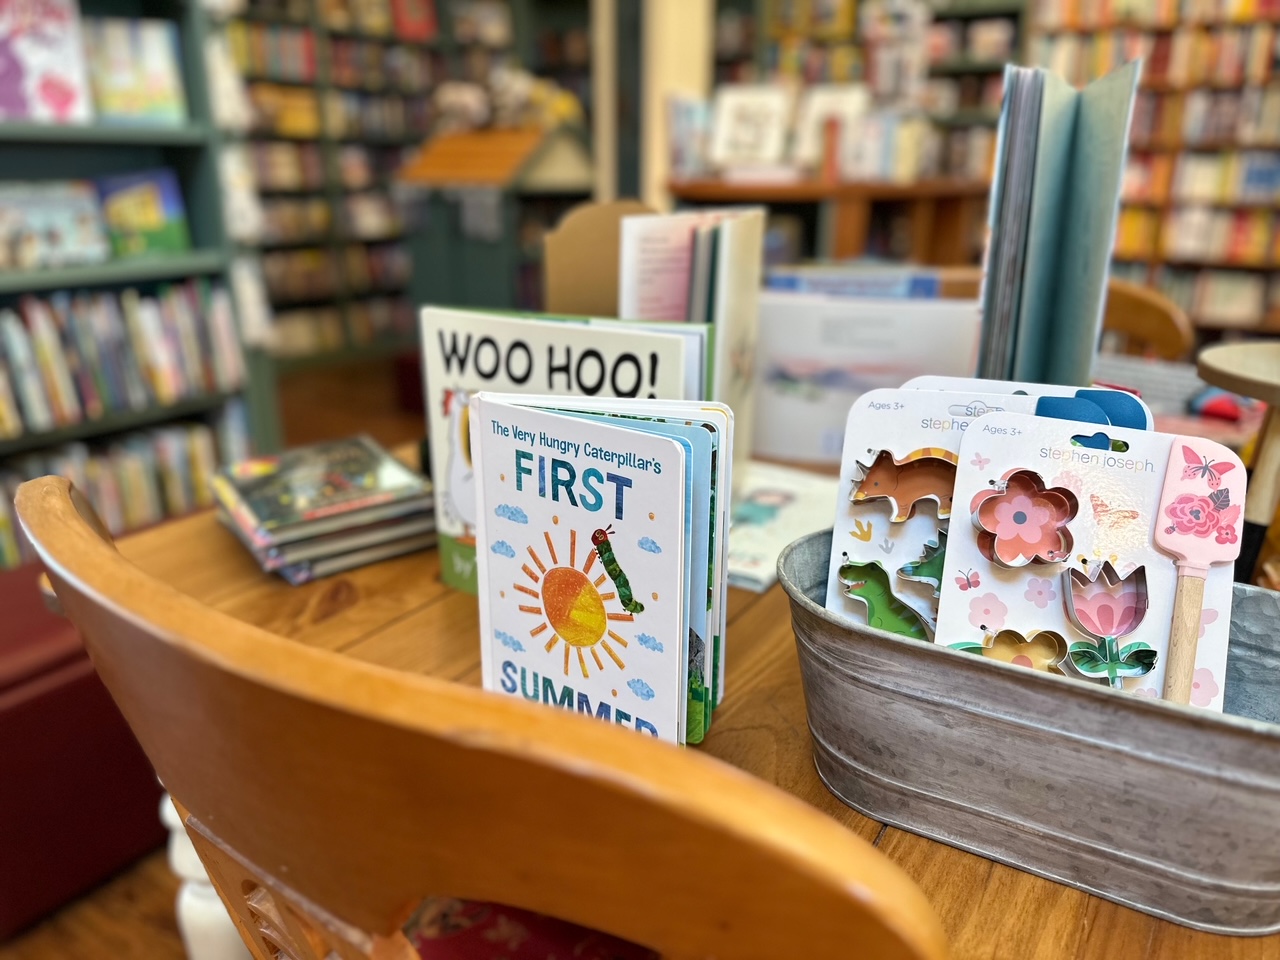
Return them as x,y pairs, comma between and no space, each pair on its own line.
1252,370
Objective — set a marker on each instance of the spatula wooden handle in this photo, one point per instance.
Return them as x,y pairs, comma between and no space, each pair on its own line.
1188,602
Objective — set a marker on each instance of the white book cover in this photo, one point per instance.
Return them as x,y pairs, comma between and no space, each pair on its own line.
468,351
581,563
42,71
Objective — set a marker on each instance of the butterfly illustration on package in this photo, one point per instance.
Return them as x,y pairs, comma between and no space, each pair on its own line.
968,580
1108,516
1203,467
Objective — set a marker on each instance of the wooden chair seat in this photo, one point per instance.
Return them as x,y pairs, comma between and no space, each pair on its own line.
445,928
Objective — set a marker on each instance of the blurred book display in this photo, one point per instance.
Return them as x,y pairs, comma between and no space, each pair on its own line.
775,505
135,70
50,223
1055,196
321,509
42,66
144,213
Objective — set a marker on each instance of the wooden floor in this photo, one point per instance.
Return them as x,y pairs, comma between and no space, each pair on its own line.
131,916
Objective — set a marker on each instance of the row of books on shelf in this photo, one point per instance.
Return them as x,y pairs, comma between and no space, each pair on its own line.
360,64
312,330
945,97
271,51
61,223
75,357
1228,56
1199,234
1249,117
295,112
318,274
62,69
1237,299
409,20
286,166
983,39
1249,177
1099,14
366,216
135,480
808,61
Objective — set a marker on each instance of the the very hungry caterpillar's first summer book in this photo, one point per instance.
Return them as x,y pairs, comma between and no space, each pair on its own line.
593,585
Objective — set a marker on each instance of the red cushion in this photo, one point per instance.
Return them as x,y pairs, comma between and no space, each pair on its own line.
447,929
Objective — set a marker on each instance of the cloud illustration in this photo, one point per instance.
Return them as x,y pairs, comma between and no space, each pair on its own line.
508,512
640,689
503,549
507,640
645,543
649,643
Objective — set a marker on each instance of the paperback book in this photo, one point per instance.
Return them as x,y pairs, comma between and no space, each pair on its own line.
135,71
42,75
602,560
144,213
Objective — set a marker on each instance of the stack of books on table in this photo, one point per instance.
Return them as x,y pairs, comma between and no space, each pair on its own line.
329,507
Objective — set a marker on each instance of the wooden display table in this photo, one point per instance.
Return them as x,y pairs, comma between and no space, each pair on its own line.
398,614
945,212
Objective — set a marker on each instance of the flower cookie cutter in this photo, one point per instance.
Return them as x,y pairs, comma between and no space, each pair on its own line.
1021,520
925,474
1106,607
1042,650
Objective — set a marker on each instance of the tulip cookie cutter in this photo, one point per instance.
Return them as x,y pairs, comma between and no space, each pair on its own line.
1021,520
1106,607
925,474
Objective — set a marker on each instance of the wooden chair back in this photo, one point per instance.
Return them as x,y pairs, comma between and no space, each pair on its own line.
1144,321
327,797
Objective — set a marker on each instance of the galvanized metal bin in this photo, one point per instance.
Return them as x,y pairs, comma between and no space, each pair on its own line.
1171,810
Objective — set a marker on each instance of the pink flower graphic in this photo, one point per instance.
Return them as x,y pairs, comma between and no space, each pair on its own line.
987,612
1203,687
1024,523
1193,514
1226,534
1107,605
1040,592
1207,617
1069,481
1147,692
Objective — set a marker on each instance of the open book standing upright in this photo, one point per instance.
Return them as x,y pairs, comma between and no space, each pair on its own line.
1055,199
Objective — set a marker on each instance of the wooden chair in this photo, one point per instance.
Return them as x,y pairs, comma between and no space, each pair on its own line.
326,797
1144,321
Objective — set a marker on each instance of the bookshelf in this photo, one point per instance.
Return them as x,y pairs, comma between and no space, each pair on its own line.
167,430
1200,213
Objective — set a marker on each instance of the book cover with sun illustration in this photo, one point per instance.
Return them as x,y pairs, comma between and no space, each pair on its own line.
583,540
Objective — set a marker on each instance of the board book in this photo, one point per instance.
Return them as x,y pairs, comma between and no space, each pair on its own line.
144,213
602,556
468,351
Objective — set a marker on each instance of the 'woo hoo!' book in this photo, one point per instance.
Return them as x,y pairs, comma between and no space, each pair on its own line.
598,528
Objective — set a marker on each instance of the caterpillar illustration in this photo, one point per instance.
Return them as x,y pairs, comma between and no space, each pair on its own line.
600,540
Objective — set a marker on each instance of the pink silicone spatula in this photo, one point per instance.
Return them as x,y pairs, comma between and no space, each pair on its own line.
1199,524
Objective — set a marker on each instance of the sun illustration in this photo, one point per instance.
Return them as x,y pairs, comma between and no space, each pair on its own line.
572,606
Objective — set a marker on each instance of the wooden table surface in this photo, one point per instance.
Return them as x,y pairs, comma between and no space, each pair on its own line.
398,614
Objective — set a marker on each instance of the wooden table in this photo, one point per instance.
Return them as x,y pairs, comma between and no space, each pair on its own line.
398,614
944,211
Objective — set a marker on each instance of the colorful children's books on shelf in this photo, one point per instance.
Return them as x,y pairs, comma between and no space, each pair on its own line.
602,556
52,223
42,73
1046,527
135,70
1059,165
144,213
468,351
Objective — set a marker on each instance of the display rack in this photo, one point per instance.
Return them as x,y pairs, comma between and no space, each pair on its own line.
1198,218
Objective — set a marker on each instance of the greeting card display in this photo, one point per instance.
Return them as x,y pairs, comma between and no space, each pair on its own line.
1062,558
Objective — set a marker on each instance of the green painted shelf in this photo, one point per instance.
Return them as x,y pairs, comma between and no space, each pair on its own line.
967,118
190,134
351,354
978,8
113,423
131,270
962,65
